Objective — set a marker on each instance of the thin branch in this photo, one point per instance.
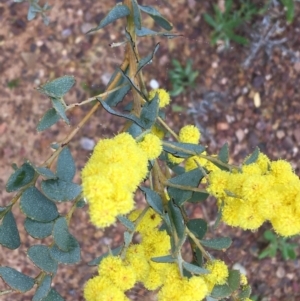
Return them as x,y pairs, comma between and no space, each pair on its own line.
168,128
198,244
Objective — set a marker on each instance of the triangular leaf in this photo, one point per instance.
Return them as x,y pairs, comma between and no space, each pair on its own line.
198,197
217,243
176,219
9,234
119,11
245,292
40,256
183,150
158,18
126,116
224,153
36,206
146,32
126,222
234,280
60,191
116,97
148,59
112,99
198,226
53,296
60,108
38,229
49,118
154,200
16,280
194,269
44,172
221,291
132,84
253,157
58,87
164,259
149,112
31,13
21,177
62,237
70,257
136,14
135,130
43,289
66,168
191,178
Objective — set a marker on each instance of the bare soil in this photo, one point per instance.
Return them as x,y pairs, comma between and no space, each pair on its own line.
247,96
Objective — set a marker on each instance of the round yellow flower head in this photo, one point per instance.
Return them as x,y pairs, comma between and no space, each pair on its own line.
121,275
151,145
183,289
281,167
135,256
94,286
189,134
110,177
286,221
218,272
150,221
218,182
163,96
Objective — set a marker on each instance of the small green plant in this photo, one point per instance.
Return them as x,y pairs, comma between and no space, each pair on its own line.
289,6
14,83
35,8
225,24
277,243
182,77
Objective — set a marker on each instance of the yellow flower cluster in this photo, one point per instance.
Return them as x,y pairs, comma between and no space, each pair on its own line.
191,134
187,134
117,275
163,96
112,174
154,243
218,273
264,190
182,289
151,145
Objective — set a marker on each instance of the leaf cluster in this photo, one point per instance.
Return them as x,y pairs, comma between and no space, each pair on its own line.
42,219
226,23
289,6
278,244
182,77
34,9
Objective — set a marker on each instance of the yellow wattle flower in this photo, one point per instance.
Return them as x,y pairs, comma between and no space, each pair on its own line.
110,177
151,145
163,96
189,134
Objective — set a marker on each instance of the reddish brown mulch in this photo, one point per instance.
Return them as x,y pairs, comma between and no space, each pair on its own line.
222,103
